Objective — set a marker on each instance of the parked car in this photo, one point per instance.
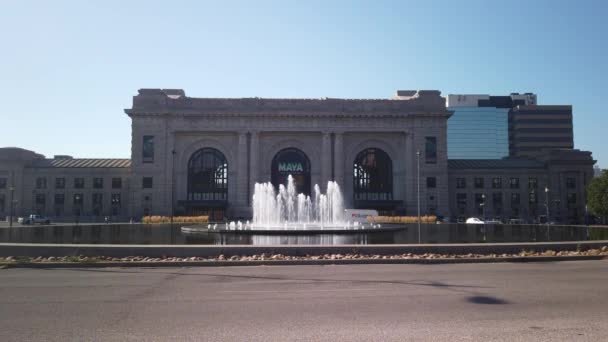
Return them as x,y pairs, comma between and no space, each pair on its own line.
474,220
33,219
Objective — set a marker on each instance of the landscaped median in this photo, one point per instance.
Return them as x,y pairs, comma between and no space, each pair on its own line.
525,255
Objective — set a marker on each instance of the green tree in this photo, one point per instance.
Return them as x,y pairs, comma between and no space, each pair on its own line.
597,195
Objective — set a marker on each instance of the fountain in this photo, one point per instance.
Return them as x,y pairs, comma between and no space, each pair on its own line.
286,211
290,210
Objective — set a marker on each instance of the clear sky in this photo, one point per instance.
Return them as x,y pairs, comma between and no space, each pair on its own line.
69,68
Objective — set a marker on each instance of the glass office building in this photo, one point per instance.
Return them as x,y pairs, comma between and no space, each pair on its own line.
478,133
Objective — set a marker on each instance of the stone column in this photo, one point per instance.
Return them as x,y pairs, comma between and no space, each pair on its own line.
253,163
241,182
325,160
339,158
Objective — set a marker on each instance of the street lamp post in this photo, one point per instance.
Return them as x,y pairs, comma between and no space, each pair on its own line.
172,184
547,203
483,207
418,181
12,209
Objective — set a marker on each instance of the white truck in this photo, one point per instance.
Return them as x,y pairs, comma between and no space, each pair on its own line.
33,219
359,215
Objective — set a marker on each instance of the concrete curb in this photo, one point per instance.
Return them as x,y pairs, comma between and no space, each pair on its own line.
225,263
209,251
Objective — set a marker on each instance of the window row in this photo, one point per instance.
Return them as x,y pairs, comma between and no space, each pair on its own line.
79,183
77,199
515,199
98,183
479,183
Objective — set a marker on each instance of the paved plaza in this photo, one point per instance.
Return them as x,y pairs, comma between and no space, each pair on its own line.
505,302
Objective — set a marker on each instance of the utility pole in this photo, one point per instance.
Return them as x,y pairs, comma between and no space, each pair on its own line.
418,167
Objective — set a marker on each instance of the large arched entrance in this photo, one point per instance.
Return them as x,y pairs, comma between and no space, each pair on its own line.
291,161
207,183
373,181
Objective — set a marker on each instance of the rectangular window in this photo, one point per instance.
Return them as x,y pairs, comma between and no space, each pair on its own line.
496,183
430,150
59,199
116,183
97,204
147,183
78,199
514,183
571,183
40,183
431,182
497,199
148,149
479,182
2,183
532,198
2,203
515,199
461,183
461,200
40,199
79,183
98,183
97,199
532,183
571,198
59,183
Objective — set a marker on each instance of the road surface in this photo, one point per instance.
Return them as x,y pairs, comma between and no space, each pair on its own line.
562,301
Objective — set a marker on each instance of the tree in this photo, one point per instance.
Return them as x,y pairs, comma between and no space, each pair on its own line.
597,195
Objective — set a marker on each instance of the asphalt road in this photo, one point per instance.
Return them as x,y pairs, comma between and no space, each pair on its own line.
563,301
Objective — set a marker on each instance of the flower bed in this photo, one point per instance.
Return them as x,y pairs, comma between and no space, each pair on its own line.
176,219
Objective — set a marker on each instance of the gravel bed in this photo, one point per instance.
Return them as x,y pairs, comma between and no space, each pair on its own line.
269,257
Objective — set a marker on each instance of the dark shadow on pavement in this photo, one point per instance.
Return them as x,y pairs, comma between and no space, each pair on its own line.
486,300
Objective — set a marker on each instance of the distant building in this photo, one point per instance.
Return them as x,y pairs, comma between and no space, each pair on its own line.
479,127
533,129
521,188
597,171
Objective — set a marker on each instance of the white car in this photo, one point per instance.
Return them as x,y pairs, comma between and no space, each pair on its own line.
33,219
474,220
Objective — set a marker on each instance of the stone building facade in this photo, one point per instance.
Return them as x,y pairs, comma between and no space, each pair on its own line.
322,136
522,188
202,156
64,188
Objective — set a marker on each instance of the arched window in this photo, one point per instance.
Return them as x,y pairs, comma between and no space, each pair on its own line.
373,176
207,175
294,162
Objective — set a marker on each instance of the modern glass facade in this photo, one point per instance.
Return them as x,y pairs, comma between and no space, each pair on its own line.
478,133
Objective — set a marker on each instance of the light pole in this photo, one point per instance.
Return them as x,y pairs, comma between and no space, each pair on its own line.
10,222
418,167
172,185
483,207
547,203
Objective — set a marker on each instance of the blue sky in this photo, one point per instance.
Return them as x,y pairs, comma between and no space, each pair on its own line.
69,68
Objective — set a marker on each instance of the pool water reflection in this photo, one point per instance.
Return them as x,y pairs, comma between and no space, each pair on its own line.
164,234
